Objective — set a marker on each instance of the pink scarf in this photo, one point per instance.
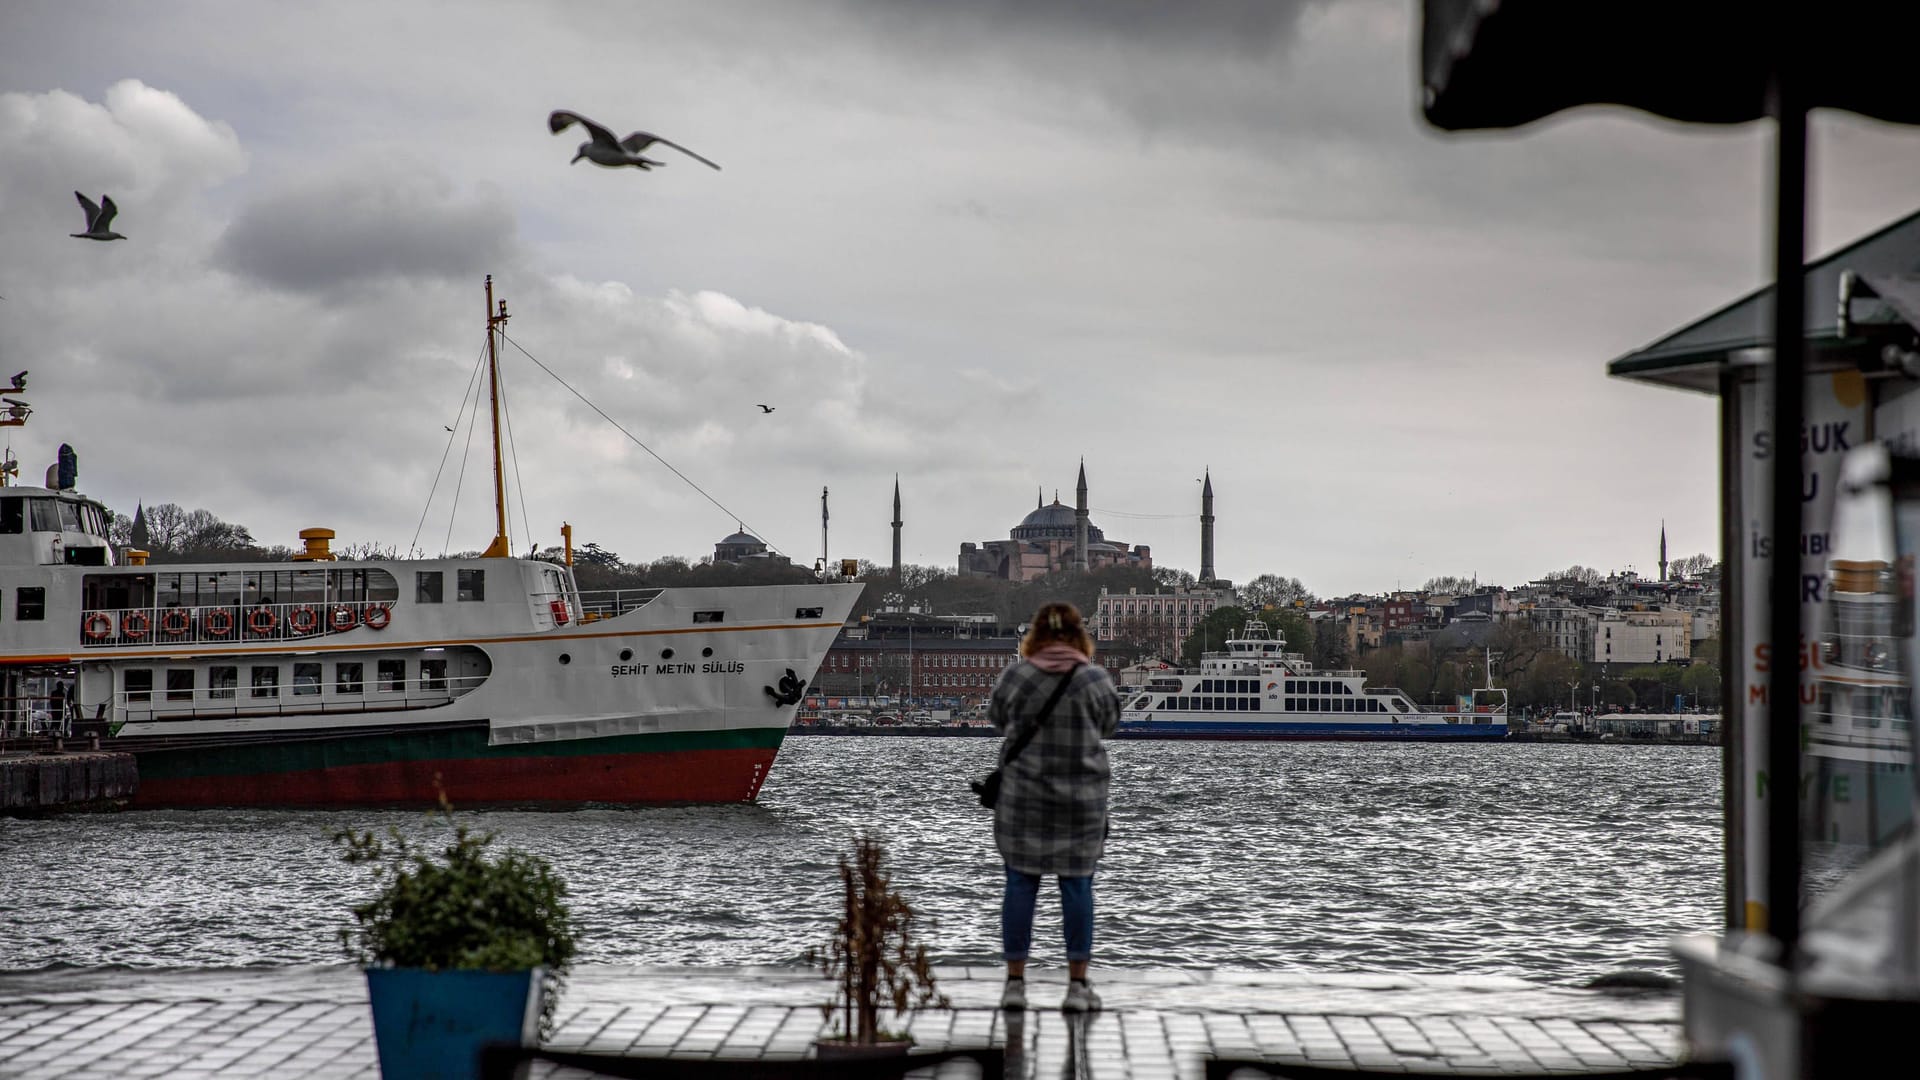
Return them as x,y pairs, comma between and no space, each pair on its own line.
1058,656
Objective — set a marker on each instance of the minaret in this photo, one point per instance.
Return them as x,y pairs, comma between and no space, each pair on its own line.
1663,551
1080,521
1206,531
896,528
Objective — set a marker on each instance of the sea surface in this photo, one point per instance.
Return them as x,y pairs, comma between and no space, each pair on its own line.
1551,862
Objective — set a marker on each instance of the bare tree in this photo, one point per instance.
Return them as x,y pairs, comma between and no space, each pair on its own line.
1272,590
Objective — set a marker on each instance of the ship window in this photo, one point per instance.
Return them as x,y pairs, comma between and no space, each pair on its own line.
45,517
347,677
13,513
70,517
1289,686
426,586
709,616
472,584
138,683
30,603
1288,704
222,681
433,673
179,684
306,679
393,676
266,682
806,613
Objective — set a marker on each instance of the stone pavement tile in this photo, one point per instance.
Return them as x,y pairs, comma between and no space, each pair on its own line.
1634,1049
1229,1035
1319,1042
667,1027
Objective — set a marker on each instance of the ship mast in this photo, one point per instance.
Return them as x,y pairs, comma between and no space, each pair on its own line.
500,548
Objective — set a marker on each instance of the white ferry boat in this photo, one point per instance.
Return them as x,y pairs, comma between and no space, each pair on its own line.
326,682
1255,689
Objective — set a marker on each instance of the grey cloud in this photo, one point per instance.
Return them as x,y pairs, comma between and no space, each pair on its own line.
379,221
1244,28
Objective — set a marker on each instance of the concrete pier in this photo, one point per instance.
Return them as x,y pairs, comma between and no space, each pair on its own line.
35,783
1158,1025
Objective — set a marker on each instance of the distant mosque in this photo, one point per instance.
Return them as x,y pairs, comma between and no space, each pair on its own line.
1054,537
744,547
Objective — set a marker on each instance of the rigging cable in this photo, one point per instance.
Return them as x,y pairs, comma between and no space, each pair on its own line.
744,524
460,482
1141,517
451,436
519,480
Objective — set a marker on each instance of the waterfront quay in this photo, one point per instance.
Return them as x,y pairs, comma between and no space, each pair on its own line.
35,781
314,1021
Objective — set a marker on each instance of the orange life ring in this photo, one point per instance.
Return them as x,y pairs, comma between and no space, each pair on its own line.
303,619
134,625
175,621
218,622
343,618
262,620
376,617
97,626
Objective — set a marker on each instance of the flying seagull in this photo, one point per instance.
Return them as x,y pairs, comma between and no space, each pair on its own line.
764,409
98,219
612,153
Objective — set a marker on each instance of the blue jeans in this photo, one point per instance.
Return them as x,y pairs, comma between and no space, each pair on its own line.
1016,915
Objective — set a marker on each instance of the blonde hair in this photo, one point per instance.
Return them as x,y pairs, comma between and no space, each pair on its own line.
1060,622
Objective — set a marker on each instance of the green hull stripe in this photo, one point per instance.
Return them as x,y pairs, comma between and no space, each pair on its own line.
309,755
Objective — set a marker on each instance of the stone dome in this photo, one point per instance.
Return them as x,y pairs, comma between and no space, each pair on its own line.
1054,515
1053,522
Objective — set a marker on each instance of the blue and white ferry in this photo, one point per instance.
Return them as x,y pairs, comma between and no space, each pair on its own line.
1256,689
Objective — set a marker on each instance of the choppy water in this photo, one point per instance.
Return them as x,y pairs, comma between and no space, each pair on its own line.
1555,863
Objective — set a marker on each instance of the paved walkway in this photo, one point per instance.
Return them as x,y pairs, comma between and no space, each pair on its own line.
314,1022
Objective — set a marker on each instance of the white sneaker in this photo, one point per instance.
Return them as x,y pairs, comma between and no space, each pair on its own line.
1014,997
1080,997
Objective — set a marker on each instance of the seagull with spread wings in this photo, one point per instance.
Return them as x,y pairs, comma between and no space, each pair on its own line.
98,219
764,409
604,149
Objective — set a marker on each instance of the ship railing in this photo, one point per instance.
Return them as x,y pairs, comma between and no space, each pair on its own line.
609,603
296,699
31,717
229,624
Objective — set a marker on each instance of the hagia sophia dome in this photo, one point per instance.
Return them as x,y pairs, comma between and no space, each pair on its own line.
1054,521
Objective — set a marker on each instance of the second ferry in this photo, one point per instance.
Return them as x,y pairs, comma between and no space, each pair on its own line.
1256,689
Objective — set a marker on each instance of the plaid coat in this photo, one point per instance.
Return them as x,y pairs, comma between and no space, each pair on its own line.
1052,814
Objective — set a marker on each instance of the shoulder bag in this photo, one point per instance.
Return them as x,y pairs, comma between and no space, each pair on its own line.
988,788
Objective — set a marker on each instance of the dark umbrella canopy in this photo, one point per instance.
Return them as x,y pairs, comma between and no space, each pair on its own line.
1503,63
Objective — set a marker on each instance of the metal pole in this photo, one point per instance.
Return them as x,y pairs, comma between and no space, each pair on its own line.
500,547
1783,578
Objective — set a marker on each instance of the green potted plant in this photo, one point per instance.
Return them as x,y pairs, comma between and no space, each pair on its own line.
462,946
872,958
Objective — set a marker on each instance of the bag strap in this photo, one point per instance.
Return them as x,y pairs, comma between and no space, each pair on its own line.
1046,710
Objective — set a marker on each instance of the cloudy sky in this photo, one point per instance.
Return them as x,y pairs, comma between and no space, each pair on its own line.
967,242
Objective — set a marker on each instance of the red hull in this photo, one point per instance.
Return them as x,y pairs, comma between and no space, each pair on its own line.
670,776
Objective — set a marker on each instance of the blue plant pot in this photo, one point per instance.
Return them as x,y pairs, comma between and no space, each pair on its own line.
430,1025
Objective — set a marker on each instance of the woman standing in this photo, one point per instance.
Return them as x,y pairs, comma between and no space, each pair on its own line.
1052,814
